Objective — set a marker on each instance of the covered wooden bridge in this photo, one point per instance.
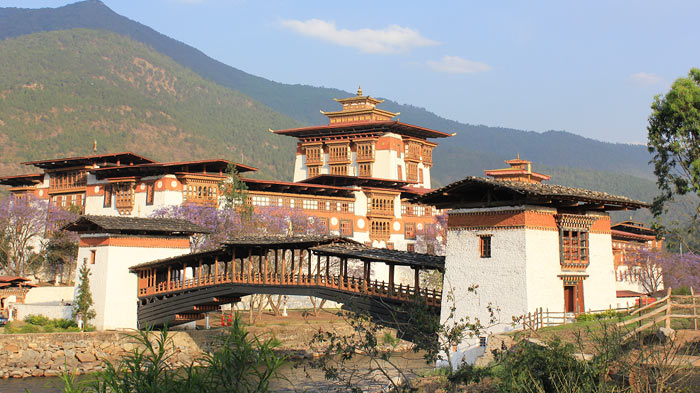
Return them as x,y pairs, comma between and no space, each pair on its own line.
182,289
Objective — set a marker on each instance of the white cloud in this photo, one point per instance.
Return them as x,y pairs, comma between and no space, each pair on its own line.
391,39
457,65
644,79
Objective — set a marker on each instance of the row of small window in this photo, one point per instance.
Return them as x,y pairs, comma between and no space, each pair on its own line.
363,169
409,210
65,201
306,204
68,180
123,194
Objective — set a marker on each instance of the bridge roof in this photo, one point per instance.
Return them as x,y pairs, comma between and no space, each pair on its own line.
393,257
298,241
254,241
133,225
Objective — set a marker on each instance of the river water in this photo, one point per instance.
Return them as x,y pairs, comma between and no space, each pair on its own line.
300,377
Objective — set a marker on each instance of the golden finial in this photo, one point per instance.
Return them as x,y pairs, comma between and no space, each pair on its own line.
517,156
94,145
359,91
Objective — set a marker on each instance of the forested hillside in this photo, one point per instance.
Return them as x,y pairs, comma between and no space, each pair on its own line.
60,90
475,147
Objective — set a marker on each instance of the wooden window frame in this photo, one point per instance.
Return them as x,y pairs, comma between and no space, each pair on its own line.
344,225
485,246
409,230
108,196
150,193
313,171
364,169
93,256
574,247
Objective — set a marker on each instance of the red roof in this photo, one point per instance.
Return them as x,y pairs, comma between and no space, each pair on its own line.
22,180
629,294
122,158
344,128
12,278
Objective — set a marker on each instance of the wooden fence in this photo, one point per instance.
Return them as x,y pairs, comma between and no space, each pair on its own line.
543,317
664,310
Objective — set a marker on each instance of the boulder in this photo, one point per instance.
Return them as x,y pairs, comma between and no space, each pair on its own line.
85,357
665,334
12,348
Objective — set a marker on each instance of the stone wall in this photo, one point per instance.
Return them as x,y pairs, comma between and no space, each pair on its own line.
47,354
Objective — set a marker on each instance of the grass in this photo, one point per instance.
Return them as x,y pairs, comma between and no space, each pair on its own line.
42,324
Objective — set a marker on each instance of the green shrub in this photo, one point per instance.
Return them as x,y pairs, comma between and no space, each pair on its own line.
38,320
538,368
29,328
585,317
11,328
49,329
63,323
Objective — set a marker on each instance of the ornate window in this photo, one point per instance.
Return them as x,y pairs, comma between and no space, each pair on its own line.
574,247
411,247
201,190
313,171
346,228
347,207
573,240
427,155
339,170
314,155
365,169
381,204
338,153
412,171
413,151
150,193
260,200
409,230
108,196
323,222
380,229
365,151
68,180
123,197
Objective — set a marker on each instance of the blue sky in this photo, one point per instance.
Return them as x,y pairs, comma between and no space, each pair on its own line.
591,68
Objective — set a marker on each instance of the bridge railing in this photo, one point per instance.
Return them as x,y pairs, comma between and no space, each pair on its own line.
343,283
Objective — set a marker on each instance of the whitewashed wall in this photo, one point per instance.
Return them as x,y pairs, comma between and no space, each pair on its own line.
599,287
113,286
55,295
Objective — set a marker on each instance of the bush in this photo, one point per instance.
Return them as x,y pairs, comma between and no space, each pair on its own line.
38,320
29,328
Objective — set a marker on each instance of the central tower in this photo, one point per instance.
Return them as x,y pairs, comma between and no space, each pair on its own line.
363,141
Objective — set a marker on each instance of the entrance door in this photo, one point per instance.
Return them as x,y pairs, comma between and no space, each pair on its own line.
569,298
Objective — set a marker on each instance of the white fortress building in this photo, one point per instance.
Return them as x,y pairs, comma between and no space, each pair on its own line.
525,245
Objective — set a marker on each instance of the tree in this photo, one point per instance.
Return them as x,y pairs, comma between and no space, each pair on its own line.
235,193
83,300
22,224
674,139
646,267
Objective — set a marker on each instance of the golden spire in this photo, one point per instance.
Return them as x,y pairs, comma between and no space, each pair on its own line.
359,91
94,146
517,156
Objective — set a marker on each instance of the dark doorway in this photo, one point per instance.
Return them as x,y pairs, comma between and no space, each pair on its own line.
569,298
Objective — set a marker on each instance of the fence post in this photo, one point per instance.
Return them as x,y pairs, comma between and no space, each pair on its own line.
667,322
695,317
547,316
541,318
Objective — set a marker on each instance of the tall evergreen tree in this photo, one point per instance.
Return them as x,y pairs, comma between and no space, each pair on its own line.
83,301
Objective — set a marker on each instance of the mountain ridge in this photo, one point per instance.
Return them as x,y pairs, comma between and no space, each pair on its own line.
477,145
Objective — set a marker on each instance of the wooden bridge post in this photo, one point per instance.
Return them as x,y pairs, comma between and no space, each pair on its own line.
277,277
301,262
308,277
328,264
695,316
233,265
216,269
167,286
291,265
391,280
417,281
284,266
265,278
250,263
318,269
667,322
